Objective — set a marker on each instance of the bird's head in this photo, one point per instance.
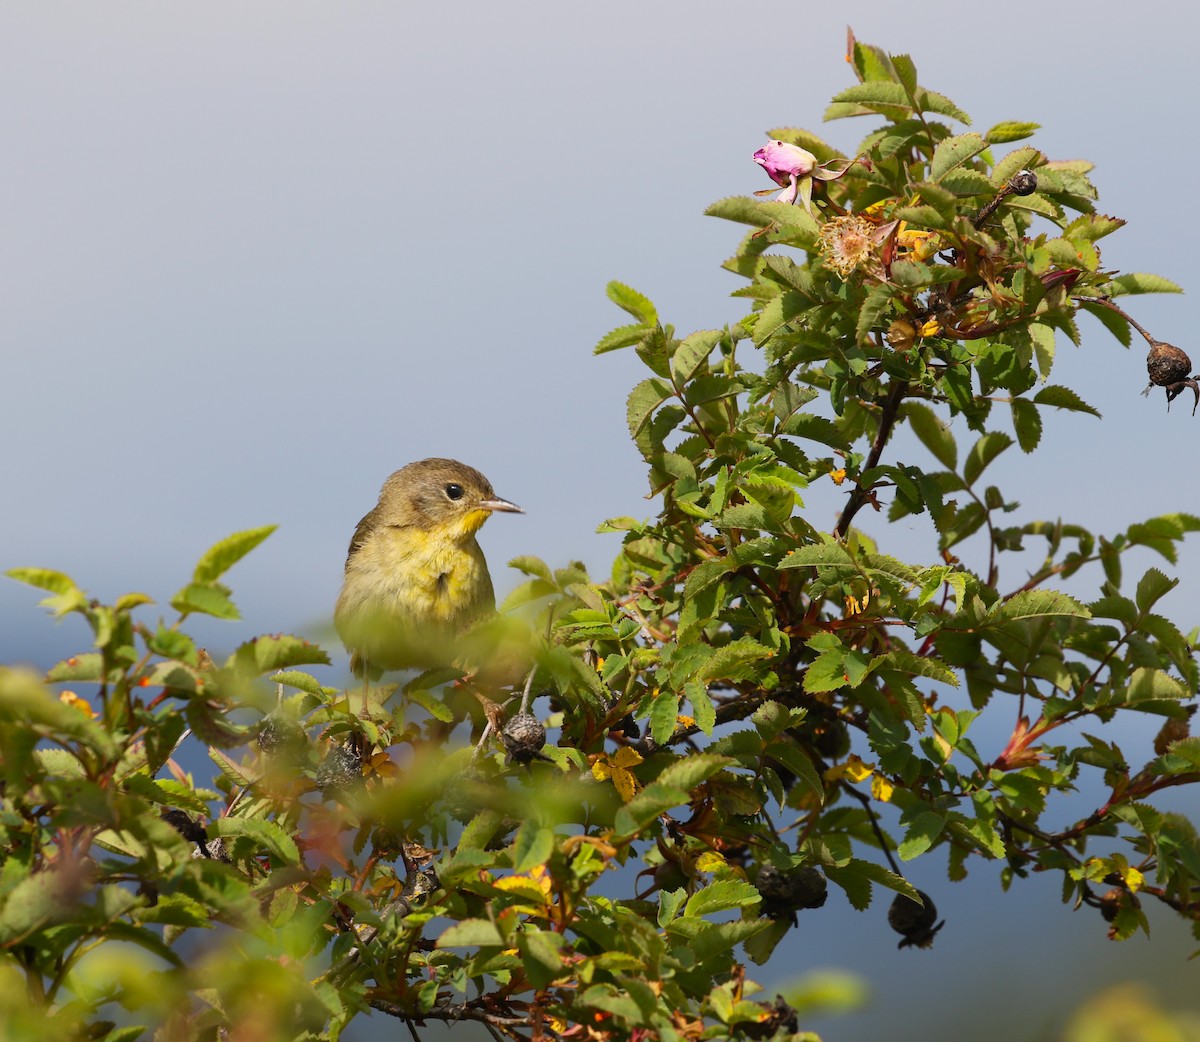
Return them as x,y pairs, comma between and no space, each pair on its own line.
440,495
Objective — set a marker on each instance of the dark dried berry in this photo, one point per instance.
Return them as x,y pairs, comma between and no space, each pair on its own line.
1110,903
183,823
1168,366
914,921
785,892
339,771
1024,182
523,737
279,736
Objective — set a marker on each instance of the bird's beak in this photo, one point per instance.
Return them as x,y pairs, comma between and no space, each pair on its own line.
502,505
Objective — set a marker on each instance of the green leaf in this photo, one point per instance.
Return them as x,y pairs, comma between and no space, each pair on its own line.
740,208
540,956
982,453
934,434
44,579
663,713
643,400
276,651
222,556
471,933
622,336
689,771
206,598
630,300
877,95
653,800
692,353
669,903
719,896
1010,130
870,314
925,828
953,152
733,661
266,834
1027,422
1142,282
1153,586
1063,398
818,554
532,846
827,672
1033,604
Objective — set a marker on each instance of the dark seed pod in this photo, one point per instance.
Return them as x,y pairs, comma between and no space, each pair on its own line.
786,892
523,737
1168,367
1024,182
281,737
339,771
1110,903
914,921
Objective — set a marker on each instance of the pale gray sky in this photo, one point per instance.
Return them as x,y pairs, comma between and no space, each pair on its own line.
258,255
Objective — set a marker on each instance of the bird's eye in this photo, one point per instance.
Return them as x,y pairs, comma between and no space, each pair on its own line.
454,491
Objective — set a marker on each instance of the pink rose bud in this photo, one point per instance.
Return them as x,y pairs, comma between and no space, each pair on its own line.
785,163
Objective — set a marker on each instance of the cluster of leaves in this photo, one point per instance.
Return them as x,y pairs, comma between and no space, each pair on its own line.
740,712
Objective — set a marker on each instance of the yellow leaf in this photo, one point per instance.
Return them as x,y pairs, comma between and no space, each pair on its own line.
626,756
881,788
1134,880
838,475
626,784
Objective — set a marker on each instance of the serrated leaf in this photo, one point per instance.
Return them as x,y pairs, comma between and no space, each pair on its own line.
1033,604
740,208
732,661
207,599
719,896
921,834
532,846
1027,422
953,152
266,834
1152,587
642,401
471,933
1063,398
222,556
933,433
1142,282
871,312
1010,130
276,651
653,800
689,771
692,353
622,336
629,299
818,554
44,579
827,672
982,453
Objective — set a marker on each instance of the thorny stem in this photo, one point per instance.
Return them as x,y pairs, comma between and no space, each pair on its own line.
887,420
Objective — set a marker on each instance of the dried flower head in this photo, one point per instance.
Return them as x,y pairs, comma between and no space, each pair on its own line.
848,243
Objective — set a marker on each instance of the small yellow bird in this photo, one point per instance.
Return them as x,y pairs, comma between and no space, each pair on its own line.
416,579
